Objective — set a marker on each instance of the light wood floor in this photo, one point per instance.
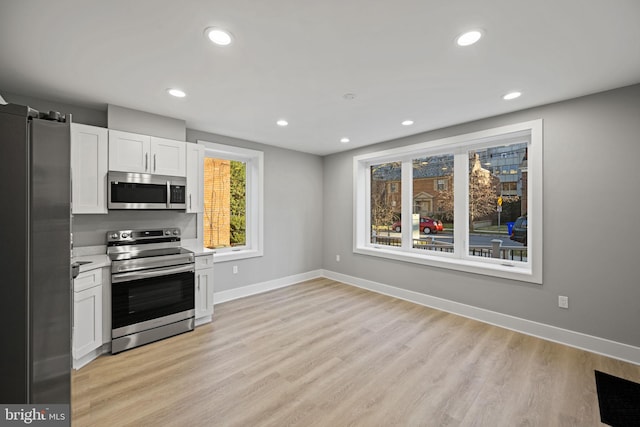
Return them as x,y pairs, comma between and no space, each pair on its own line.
321,353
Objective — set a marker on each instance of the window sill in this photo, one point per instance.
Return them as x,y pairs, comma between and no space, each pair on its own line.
505,269
231,255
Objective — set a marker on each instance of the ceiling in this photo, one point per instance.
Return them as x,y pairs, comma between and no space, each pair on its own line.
296,59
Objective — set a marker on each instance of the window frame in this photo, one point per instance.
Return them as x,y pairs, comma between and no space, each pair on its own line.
254,232
459,146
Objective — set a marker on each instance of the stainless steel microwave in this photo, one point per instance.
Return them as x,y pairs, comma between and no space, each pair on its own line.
145,191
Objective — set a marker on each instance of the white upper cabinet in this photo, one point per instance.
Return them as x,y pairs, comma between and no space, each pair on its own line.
89,146
168,157
132,152
195,178
129,152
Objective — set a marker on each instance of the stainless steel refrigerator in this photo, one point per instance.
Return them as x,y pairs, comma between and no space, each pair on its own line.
35,273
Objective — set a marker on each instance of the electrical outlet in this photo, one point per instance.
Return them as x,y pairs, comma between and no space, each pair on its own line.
337,258
563,302
235,269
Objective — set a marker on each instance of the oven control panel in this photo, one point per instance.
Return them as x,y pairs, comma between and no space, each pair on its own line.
129,236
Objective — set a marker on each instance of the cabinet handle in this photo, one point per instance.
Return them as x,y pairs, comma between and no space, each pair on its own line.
198,282
146,161
154,163
189,201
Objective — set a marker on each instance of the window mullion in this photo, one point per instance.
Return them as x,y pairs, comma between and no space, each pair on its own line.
363,204
460,203
407,203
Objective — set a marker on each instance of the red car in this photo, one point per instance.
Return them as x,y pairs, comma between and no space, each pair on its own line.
427,225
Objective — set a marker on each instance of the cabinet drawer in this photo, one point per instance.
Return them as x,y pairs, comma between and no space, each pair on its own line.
204,261
87,280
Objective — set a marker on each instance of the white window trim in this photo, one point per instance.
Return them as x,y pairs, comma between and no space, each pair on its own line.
529,271
255,201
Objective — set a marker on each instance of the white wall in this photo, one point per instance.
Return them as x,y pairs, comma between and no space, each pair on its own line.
591,233
128,120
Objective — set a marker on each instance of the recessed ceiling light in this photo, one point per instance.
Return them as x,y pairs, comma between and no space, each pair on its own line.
218,36
511,95
344,140
282,123
469,38
407,123
176,92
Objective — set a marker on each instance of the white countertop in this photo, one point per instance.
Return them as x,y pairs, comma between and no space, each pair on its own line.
197,249
95,261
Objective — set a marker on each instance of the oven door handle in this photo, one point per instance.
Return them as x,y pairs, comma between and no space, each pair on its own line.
156,272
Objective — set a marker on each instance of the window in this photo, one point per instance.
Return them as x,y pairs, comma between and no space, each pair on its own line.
232,223
384,206
457,201
442,184
225,203
491,206
432,209
509,187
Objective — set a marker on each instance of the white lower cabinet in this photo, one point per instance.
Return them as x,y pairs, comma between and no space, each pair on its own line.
87,316
204,289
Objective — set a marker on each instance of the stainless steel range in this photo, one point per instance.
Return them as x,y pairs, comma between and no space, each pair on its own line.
152,286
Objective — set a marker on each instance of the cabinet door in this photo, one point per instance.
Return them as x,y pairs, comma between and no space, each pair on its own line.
129,152
168,157
204,292
87,321
195,178
89,157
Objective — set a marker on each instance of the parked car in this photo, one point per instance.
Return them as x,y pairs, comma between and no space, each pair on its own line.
519,230
427,225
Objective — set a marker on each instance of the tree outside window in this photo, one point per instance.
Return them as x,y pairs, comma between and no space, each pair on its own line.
385,203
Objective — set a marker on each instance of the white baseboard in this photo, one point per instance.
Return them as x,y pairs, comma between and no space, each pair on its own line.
258,288
94,354
202,320
579,340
